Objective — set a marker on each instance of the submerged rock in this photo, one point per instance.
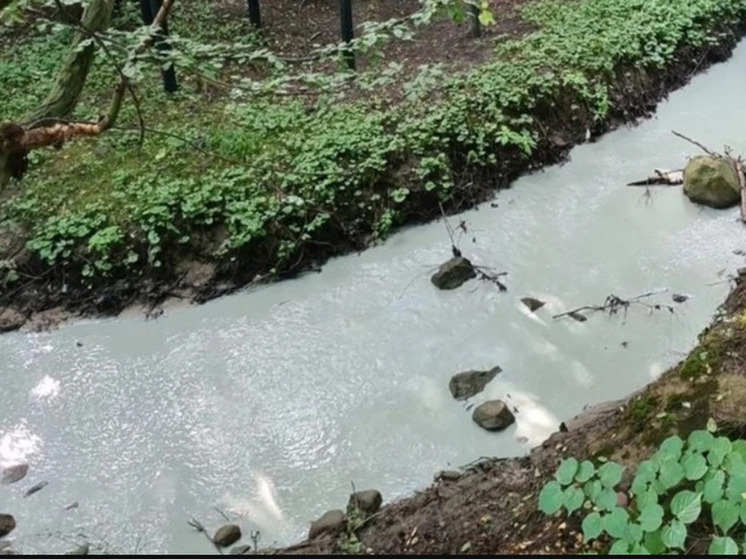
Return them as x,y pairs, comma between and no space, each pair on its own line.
240,550
80,550
14,473
493,415
532,304
10,320
227,535
7,524
711,181
467,384
454,273
679,298
332,522
368,502
577,316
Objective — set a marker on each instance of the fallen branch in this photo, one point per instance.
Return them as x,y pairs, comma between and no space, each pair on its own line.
696,143
613,304
197,525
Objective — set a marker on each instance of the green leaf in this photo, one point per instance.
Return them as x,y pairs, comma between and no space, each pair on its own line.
723,546
742,513
700,440
607,499
551,498
610,474
646,470
651,517
566,471
653,542
695,466
592,526
671,474
634,533
739,447
615,523
670,449
620,547
686,506
574,498
713,489
734,463
649,497
592,489
720,448
724,515
585,471
673,535
736,488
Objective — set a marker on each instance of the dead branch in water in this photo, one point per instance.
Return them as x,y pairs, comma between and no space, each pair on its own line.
485,274
614,304
197,525
696,143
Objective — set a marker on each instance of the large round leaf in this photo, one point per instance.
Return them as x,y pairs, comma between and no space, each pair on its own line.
610,474
592,526
551,498
574,498
686,506
671,474
695,466
673,535
615,523
670,449
723,546
607,499
700,440
651,517
585,471
724,515
566,471
713,489
719,449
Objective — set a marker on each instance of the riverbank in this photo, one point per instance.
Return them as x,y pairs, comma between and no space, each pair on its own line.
491,506
279,188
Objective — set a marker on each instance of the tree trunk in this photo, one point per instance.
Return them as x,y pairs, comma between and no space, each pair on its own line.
71,78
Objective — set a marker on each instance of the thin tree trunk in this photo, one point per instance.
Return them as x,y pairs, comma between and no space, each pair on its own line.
65,93
472,14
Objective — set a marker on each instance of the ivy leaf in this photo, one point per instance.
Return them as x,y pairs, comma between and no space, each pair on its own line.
713,489
651,517
736,487
566,471
620,547
734,463
724,515
673,535
649,497
551,498
695,466
671,474
739,447
585,471
723,546
607,499
610,474
670,449
574,498
592,489
646,470
653,542
700,440
615,523
592,526
633,534
686,506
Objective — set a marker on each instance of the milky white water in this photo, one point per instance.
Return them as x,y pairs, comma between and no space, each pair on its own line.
268,404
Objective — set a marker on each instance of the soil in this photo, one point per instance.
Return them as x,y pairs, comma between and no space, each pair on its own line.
492,506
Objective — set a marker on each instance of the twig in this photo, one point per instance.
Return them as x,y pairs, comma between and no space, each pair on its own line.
197,525
613,304
706,150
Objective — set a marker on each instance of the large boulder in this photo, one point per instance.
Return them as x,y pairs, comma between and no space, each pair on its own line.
467,384
368,502
7,524
13,473
227,535
712,181
493,415
454,273
332,522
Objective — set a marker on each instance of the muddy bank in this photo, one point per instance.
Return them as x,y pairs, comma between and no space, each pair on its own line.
45,295
490,506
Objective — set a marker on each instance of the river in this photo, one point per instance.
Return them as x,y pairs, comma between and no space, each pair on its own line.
267,405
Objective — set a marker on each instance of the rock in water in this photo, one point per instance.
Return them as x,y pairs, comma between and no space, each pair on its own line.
532,304
454,273
10,320
679,298
80,550
467,384
368,502
7,524
493,415
711,181
332,522
240,550
14,473
227,535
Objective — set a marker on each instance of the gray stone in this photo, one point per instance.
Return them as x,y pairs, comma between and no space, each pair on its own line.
368,502
240,550
679,297
493,415
453,273
467,384
332,522
578,316
448,475
711,181
14,473
532,304
227,535
11,320
7,524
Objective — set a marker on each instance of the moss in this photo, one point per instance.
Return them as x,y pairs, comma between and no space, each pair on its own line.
641,410
705,359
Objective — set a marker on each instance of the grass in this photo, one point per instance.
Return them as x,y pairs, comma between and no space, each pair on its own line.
278,181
